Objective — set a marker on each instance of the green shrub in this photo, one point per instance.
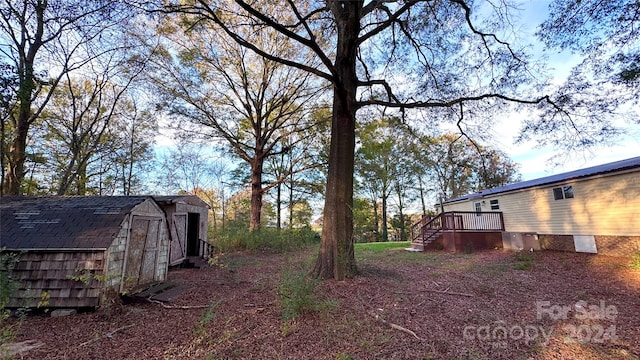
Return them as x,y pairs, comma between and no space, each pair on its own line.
8,285
635,262
265,239
297,295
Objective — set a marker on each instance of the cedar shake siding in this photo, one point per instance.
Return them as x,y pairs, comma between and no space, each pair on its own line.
79,251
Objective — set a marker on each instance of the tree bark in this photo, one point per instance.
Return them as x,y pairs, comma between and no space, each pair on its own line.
256,194
279,206
17,156
385,220
336,258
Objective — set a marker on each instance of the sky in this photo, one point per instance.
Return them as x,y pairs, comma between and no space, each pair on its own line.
534,161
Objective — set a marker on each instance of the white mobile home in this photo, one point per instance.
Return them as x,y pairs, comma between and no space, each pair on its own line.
596,210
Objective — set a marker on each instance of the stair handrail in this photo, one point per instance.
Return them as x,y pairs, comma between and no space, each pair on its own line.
428,224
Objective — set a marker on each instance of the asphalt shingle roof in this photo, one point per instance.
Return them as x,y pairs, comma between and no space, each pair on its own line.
61,222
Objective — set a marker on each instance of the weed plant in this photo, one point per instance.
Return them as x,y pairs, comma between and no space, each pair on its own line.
275,240
524,260
635,262
297,295
8,285
206,317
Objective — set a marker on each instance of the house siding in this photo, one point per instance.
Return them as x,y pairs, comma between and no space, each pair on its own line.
606,206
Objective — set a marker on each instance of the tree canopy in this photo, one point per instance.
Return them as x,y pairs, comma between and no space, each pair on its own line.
446,55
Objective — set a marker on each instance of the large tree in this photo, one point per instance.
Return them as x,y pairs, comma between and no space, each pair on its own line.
376,165
228,93
43,40
606,33
402,54
80,122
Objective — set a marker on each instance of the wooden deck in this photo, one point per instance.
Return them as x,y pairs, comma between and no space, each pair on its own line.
454,223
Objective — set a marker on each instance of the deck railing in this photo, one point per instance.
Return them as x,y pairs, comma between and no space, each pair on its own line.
430,226
206,249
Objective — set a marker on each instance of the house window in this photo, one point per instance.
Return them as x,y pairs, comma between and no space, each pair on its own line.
565,192
494,204
478,207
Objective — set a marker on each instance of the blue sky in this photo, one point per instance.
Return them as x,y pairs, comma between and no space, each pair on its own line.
534,162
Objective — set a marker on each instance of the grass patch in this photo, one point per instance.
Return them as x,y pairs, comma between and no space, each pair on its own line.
388,252
524,260
635,262
382,246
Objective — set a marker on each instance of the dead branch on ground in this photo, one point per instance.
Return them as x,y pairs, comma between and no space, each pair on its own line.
107,335
185,307
396,326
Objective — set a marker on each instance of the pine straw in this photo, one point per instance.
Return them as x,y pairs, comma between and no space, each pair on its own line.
401,306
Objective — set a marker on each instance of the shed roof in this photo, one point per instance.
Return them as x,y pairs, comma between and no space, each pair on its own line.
622,165
176,199
63,222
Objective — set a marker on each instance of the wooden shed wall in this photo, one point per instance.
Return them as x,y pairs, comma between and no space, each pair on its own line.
606,205
117,259
68,278
204,218
58,279
178,227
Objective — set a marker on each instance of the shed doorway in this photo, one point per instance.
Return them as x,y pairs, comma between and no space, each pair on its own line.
193,234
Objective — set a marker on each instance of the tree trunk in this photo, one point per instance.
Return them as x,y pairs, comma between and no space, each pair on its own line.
17,156
422,202
385,220
403,230
256,194
376,219
335,258
291,185
279,206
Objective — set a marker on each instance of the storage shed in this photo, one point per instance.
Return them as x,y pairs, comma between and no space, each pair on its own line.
187,217
79,251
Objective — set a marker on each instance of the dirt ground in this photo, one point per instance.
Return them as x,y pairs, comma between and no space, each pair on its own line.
434,305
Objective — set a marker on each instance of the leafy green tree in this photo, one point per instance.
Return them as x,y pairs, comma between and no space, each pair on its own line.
8,82
227,93
43,41
365,223
301,213
131,151
416,54
376,166
459,166
80,122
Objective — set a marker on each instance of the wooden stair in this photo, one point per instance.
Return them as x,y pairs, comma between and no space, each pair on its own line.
425,231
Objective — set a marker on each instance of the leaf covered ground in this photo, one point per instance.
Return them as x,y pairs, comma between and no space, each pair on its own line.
433,305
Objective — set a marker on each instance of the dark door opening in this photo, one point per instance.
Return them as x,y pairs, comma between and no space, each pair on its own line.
193,234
